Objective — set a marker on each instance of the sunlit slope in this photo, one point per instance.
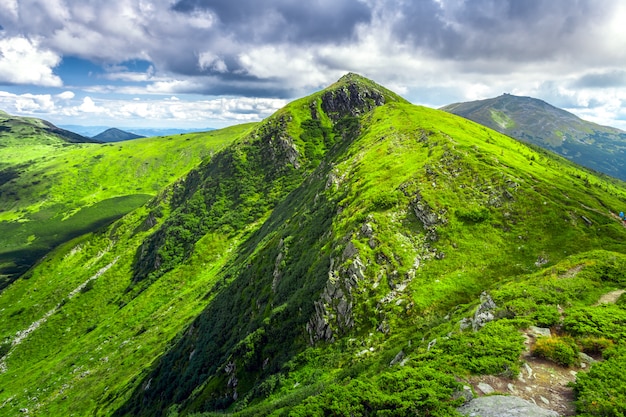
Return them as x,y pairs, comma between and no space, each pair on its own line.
417,213
75,188
601,148
285,275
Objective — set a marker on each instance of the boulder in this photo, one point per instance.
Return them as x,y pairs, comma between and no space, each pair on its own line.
539,331
503,405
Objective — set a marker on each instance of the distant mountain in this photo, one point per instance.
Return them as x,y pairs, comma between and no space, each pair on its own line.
146,132
534,121
116,135
15,130
167,132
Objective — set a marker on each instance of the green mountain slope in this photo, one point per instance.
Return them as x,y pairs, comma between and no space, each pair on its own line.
534,121
115,135
26,131
60,191
320,265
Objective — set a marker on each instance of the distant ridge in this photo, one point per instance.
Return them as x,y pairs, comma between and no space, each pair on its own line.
91,131
534,121
25,130
116,135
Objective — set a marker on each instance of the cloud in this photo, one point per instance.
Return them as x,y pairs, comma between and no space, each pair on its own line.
604,79
88,106
433,51
271,21
66,95
23,62
157,112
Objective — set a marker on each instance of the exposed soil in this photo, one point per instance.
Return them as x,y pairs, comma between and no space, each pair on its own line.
540,381
610,297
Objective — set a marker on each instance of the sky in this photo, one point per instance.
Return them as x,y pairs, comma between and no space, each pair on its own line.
214,63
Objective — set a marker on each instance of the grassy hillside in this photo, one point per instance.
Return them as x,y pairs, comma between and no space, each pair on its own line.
51,192
25,131
321,265
601,148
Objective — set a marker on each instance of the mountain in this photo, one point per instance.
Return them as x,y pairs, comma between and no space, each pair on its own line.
30,130
115,135
352,254
534,121
167,131
91,131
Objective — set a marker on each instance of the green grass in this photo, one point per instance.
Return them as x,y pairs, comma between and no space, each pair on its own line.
59,191
387,226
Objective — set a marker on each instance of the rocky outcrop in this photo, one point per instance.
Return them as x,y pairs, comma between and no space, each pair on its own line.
504,405
351,99
483,314
333,311
276,144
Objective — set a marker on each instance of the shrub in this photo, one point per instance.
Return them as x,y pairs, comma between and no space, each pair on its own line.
385,201
546,315
607,321
473,215
493,350
561,350
602,391
4,349
594,345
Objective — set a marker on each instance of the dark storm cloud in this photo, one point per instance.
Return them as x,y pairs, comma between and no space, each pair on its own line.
284,20
514,30
606,79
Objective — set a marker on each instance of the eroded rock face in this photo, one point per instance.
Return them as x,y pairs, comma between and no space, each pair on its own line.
483,314
504,405
350,100
333,311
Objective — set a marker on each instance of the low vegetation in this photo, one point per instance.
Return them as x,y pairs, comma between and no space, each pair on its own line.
351,255
54,191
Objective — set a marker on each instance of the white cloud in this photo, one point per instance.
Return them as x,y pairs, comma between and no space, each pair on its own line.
23,62
66,95
88,106
209,61
66,108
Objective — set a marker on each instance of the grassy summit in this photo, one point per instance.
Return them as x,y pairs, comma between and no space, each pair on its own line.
320,265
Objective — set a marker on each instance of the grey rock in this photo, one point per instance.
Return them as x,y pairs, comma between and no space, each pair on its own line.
539,331
367,230
465,393
483,314
586,358
485,388
481,319
398,358
431,344
503,406
465,323
528,370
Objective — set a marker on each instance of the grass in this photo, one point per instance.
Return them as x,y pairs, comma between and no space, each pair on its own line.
386,228
59,191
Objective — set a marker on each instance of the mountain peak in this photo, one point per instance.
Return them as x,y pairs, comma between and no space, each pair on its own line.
535,121
353,95
116,135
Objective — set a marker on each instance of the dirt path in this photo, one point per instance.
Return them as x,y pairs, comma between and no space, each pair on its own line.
610,297
541,382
